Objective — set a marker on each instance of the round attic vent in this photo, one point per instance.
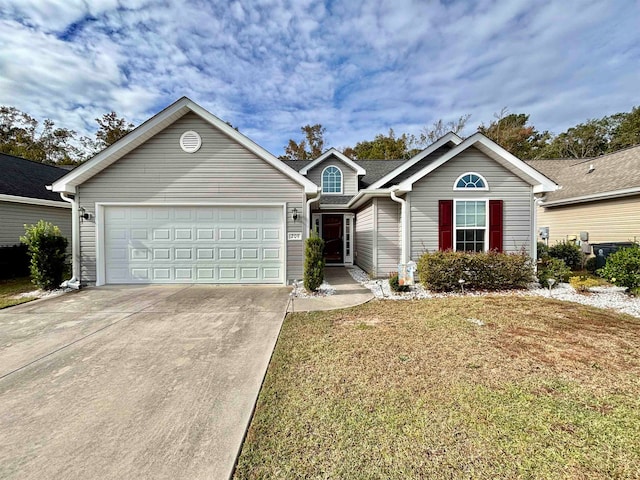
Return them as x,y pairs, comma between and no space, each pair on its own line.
190,141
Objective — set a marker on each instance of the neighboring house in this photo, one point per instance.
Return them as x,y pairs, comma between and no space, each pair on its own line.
185,198
599,196
24,198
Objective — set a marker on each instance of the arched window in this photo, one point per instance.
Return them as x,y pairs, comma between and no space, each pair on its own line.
471,181
331,180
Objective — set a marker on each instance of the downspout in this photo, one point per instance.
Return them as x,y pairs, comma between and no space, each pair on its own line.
308,211
537,201
403,225
74,282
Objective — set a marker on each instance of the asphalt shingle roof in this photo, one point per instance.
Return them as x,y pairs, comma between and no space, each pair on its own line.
335,199
24,178
376,169
615,171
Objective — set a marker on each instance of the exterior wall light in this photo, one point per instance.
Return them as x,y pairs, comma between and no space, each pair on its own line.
294,214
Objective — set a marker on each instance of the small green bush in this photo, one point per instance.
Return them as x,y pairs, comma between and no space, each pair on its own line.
394,283
590,265
583,283
47,249
570,253
623,268
553,268
442,271
542,250
313,263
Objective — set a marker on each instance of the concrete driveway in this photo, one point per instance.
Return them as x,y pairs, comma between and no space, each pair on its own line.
133,381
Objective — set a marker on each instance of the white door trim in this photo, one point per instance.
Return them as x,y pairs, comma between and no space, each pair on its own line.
99,230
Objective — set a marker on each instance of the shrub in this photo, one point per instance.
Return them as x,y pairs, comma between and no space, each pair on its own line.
590,265
569,253
542,250
394,283
553,268
47,248
623,268
442,271
583,283
313,263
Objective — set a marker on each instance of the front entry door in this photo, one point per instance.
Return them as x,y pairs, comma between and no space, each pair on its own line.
333,236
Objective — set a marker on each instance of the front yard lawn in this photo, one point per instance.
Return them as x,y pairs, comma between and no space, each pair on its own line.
467,387
10,288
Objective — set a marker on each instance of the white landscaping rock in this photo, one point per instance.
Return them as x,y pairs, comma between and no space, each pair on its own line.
603,297
324,290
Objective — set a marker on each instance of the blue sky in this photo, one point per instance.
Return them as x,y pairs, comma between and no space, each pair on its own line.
357,67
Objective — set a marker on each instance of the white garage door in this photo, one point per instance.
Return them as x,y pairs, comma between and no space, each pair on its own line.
194,244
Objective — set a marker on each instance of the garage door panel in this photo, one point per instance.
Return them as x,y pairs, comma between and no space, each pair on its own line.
194,244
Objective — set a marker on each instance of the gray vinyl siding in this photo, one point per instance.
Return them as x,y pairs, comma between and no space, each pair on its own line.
222,171
349,177
364,238
14,216
438,185
387,231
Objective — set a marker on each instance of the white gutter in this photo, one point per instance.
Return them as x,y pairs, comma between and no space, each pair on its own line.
74,282
308,209
33,201
594,196
404,227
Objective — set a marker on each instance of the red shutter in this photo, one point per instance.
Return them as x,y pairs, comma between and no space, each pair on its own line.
445,224
495,225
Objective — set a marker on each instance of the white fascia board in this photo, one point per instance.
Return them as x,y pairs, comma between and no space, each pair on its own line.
540,182
156,124
341,156
364,195
34,201
592,197
449,137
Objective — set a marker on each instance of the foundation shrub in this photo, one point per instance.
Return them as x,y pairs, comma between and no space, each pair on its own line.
623,268
569,253
313,263
48,251
394,283
442,271
553,268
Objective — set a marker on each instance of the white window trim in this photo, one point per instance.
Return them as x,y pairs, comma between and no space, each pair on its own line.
341,181
486,221
468,189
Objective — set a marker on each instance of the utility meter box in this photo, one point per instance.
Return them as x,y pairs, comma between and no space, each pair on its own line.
543,232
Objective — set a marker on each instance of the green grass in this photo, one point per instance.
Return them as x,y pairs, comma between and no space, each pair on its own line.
10,288
544,389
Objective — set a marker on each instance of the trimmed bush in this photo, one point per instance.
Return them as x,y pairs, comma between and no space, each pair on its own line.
542,250
623,268
14,261
442,271
553,268
394,283
313,263
570,253
47,248
590,265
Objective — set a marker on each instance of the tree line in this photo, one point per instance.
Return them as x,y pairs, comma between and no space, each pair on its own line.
24,136
512,131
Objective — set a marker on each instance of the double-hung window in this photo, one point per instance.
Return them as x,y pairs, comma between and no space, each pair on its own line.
471,225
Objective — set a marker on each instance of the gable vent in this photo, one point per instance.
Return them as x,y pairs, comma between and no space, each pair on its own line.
190,141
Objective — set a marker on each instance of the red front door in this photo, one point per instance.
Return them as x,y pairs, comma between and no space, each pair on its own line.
333,236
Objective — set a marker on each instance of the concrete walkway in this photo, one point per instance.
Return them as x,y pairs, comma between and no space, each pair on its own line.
349,293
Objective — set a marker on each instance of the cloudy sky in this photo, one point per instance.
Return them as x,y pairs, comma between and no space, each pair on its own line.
357,67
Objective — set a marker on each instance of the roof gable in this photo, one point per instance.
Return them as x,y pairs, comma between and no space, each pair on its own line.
341,156
530,175
450,138
156,124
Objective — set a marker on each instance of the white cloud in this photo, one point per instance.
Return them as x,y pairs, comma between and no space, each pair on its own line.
359,68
